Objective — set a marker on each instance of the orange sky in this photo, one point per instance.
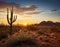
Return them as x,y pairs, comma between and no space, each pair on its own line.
29,13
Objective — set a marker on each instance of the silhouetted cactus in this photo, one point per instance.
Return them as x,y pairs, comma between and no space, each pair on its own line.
11,19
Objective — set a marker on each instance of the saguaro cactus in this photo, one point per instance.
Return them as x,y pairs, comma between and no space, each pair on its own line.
11,19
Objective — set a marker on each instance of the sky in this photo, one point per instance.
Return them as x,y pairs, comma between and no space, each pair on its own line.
31,11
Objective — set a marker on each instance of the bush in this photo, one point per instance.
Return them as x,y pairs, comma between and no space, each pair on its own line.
21,38
3,35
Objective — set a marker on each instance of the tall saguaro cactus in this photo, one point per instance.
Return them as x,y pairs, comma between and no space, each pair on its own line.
11,19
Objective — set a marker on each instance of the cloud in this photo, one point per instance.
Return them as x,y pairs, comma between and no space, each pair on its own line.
17,8
33,13
53,10
30,8
7,5
49,11
1,11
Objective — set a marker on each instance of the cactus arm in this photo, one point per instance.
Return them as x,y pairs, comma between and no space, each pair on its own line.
11,18
8,16
15,17
12,13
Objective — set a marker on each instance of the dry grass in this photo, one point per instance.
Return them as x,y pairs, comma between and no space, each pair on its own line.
41,37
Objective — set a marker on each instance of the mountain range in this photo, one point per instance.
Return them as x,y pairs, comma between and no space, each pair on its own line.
48,23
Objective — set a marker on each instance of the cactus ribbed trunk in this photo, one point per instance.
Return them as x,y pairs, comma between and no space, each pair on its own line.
10,29
11,19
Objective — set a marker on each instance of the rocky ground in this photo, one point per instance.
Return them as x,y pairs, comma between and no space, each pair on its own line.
25,38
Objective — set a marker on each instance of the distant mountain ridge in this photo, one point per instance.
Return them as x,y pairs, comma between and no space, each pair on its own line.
48,23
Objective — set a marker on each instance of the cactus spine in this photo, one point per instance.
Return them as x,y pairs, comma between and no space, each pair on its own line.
11,19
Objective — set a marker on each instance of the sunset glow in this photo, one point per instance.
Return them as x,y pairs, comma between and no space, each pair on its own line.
25,24
31,13
29,23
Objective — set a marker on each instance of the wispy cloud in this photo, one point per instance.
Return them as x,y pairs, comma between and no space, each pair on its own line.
2,11
48,11
53,10
17,8
44,11
33,13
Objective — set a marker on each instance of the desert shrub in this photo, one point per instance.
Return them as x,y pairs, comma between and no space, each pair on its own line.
5,29
40,32
16,28
55,29
3,35
33,28
21,38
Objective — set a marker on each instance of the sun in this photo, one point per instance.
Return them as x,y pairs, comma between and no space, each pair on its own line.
25,24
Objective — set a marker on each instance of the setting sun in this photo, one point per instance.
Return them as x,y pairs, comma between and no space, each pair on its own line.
25,24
